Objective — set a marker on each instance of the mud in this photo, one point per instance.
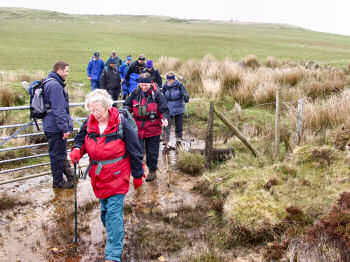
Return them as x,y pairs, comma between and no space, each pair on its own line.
41,226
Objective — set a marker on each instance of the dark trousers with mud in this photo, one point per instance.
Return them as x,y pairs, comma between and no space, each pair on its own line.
58,156
114,93
179,120
151,145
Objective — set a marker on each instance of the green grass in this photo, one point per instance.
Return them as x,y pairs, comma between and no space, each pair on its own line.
31,40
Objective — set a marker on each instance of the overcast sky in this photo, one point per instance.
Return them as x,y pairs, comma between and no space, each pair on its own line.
319,15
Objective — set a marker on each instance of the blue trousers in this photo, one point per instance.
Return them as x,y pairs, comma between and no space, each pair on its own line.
57,153
112,216
151,145
95,84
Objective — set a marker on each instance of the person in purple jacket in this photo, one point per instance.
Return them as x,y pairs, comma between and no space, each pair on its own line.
94,71
57,124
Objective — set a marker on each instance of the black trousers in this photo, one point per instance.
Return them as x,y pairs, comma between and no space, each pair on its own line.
114,93
179,121
151,144
57,153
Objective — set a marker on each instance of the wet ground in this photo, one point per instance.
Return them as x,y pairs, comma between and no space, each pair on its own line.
41,225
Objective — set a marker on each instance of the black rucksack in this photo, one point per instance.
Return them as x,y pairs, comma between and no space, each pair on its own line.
38,109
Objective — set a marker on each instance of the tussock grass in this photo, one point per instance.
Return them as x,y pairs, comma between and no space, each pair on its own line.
166,64
7,202
190,163
251,61
272,62
322,114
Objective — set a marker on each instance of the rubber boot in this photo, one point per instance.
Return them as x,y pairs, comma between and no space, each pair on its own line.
151,176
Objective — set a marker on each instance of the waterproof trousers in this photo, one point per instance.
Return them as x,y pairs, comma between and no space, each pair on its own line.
151,145
95,84
179,121
57,153
112,216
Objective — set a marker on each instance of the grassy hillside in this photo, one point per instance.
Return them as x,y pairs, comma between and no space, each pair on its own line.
35,39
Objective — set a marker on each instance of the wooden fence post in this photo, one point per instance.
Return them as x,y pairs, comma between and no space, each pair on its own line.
277,125
236,132
209,138
299,127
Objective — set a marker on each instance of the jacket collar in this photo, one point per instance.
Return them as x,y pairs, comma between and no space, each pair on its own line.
112,122
57,77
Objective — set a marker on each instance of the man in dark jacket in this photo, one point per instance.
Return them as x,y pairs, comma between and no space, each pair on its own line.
114,55
110,79
155,75
57,124
135,68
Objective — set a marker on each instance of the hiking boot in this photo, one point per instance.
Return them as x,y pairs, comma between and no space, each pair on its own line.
63,184
151,176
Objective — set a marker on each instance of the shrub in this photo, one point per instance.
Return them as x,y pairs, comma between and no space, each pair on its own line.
190,163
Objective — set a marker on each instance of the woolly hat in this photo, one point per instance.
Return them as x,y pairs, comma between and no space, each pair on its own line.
149,64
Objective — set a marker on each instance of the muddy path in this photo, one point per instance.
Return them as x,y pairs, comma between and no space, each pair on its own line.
40,227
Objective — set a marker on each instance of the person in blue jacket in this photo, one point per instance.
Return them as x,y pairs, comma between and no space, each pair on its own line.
123,69
94,71
175,95
57,124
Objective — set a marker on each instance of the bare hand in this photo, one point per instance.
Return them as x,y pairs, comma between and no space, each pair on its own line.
164,122
89,77
66,135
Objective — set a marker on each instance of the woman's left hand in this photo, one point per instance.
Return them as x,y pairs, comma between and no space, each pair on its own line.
164,122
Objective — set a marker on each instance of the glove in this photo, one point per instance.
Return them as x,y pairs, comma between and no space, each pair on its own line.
138,182
75,155
186,98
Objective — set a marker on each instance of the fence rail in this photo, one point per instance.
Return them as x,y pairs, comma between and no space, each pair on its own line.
15,135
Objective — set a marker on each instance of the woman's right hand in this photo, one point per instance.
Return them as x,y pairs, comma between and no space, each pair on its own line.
75,155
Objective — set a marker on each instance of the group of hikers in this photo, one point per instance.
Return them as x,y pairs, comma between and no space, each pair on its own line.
115,139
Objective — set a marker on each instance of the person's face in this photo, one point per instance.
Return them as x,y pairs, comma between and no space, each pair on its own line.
145,86
141,61
170,81
63,73
96,57
98,111
128,62
149,68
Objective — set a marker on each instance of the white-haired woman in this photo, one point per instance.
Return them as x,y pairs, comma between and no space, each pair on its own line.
114,151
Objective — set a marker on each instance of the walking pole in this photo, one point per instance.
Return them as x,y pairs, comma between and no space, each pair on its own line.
188,126
166,157
75,204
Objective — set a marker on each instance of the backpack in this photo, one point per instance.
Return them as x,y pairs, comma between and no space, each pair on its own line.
38,109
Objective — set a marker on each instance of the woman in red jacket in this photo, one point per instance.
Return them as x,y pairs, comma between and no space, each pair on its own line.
114,152
150,111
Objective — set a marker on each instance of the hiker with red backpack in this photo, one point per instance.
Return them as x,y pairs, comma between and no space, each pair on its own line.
150,111
112,145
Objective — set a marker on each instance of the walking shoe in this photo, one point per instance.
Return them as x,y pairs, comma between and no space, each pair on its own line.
151,176
63,184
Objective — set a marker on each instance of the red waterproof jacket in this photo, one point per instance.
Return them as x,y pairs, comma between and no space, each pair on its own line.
148,125
113,178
